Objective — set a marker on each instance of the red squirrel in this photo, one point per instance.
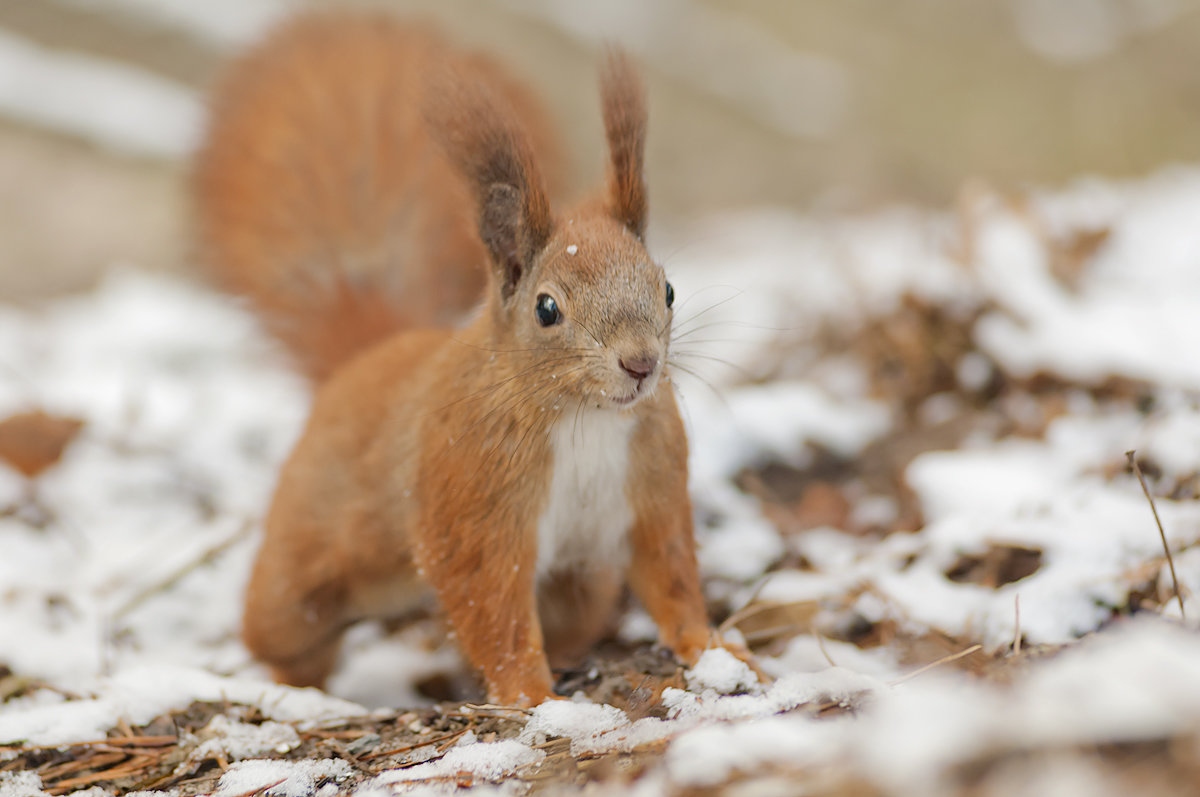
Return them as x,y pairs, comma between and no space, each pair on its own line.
525,466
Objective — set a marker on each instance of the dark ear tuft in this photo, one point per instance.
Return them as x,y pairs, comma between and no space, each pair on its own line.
483,136
624,105
499,225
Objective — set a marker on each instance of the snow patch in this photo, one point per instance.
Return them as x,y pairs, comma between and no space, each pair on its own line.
281,778
720,671
583,723
140,694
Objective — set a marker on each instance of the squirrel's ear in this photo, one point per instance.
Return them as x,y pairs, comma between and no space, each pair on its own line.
483,137
624,105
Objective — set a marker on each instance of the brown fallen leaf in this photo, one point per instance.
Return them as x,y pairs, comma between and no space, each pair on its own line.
31,442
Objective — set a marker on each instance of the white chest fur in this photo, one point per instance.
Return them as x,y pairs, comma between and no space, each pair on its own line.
587,516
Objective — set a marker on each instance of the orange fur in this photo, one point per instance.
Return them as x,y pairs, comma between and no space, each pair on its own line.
445,461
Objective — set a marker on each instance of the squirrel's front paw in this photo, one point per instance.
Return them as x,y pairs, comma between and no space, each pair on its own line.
523,688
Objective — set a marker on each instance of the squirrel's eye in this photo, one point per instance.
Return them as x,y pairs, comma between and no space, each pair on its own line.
547,310
670,295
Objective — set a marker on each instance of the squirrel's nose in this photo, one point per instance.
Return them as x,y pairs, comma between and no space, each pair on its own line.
639,367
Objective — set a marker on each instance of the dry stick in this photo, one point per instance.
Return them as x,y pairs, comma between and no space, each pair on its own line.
120,741
1017,625
495,707
775,631
435,740
821,645
476,711
109,748
171,579
131,767
72,765
938,663
341,735
125,729
1166,548
749,608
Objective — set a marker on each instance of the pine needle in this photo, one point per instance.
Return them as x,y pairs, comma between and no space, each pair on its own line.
938,663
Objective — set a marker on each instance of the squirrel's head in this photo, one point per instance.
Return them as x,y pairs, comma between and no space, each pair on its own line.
581,291
596,303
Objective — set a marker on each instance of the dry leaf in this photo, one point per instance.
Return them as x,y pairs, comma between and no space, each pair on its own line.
31,442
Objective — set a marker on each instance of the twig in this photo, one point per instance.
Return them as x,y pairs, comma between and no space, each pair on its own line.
132,766
124,727
494,707
118,741
71,766
1017,624
774,631
749,608
938,663
341,735
171,579
1166,548
487,711
821,645
435,740
112,748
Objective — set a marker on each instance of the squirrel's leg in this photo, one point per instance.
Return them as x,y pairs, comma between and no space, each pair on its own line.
292,626
664,575
487,592
577,607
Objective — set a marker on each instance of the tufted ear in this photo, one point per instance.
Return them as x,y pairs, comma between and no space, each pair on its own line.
483,136
624,106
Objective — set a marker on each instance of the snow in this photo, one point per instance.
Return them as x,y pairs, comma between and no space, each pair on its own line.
1046,496
280,778
807,654
711,754
20,784
597,728
776,422
236,740
1136,684
722,672
832,684
581,722
1132,316
1140,682
159,491
139,694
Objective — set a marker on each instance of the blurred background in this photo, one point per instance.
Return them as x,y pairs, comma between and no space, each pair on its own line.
814,106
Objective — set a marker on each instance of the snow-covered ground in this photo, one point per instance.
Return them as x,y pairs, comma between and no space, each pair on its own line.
121,576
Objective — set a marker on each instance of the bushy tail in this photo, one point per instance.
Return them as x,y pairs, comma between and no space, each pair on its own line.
321,197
